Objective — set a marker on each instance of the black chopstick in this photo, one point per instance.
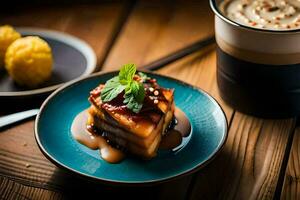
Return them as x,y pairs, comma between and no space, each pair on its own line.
155,65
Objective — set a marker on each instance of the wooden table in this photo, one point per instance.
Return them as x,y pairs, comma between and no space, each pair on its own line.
261,157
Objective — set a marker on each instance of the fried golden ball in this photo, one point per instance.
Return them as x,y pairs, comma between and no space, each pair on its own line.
7,36
28,61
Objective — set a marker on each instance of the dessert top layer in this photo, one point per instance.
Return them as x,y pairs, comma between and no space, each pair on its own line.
156,100
135,101
263,14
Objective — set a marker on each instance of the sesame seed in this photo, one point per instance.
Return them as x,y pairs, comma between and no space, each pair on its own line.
27,165
151,89
283,3
156,93
237,14
155,101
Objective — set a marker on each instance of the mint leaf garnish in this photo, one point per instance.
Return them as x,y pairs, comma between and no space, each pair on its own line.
131,103
138,91
126,73
134,91
112,89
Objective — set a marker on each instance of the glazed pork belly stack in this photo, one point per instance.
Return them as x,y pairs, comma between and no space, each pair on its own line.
139,133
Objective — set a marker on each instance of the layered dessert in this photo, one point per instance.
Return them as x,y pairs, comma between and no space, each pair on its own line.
265,14
132,112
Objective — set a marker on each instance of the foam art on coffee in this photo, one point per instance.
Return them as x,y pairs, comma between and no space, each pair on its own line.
264,14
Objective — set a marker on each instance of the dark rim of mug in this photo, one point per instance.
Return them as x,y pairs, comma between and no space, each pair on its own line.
214,7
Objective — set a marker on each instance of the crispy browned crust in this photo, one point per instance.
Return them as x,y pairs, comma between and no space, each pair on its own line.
145,147
140,137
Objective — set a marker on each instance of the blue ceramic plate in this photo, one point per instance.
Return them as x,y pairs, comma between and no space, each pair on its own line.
53,135
72,58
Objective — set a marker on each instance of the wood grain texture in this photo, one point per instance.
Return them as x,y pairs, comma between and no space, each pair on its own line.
94,23
291,187
11,190
22,161
250,163
199,69
157,28
20,158
29,166
248,166
154,30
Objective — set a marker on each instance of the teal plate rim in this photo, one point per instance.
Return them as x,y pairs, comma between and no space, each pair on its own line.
200,165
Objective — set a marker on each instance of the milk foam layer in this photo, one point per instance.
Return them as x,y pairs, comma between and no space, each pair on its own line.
263,14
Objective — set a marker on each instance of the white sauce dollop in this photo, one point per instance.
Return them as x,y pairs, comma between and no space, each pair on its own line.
264,14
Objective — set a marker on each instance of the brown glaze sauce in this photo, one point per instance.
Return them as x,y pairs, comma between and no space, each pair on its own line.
84,134
179,129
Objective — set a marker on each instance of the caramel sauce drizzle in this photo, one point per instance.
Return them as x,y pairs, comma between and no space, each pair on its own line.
86,135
